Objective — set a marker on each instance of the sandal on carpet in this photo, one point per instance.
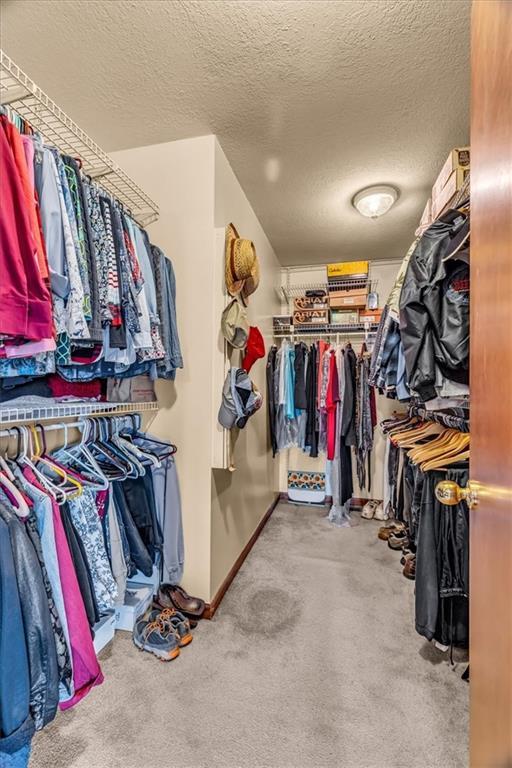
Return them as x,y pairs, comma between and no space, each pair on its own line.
369,508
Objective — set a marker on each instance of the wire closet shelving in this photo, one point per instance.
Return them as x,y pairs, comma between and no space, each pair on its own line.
331,330
69,409
23,96
290,291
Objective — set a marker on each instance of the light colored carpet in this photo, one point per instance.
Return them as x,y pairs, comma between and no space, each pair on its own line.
311,661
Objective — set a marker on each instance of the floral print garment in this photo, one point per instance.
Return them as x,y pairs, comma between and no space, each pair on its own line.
76,323
86,520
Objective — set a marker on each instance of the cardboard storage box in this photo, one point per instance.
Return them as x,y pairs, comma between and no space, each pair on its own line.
448,193
310,316
457,160
340,317
336,292
370,315
349,302
310,302
426,218
353,299
347,269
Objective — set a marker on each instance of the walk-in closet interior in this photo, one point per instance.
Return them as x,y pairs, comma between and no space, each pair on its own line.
255,384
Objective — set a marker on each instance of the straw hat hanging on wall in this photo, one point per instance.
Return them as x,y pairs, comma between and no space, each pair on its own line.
242,269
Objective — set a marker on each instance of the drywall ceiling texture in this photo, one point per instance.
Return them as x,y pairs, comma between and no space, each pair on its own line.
310,100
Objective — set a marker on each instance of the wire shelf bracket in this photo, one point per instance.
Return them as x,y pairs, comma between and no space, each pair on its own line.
25,98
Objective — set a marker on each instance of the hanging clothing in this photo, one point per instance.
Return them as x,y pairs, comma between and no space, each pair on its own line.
271,403
25,307
434,310
84,292
16,723
311,440
332,400
42,655
364,422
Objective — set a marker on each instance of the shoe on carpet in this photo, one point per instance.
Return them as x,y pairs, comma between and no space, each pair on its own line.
410,569
406,557
153,637
380,513
174,596
387,530
173,621
369,508
398,540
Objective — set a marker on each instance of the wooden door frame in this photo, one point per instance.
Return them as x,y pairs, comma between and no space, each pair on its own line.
491,385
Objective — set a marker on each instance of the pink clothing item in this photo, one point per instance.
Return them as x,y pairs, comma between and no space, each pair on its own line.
28,349
86,670
25,302
101,503
332,399
28,148
20,158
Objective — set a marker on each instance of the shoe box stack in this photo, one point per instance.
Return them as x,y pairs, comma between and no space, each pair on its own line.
447,186
350,301
450,180
311,309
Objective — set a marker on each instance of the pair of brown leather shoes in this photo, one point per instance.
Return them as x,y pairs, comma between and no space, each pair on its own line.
174,596
410,568
388,530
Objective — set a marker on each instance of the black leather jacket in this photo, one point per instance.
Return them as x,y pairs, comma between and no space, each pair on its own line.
38,631
434,310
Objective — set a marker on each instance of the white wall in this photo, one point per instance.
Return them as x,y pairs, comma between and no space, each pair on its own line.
197,191
179,176
240,498
385,274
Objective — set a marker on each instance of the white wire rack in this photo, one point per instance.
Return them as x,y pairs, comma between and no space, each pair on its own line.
64,410
290,292
23,96
330,330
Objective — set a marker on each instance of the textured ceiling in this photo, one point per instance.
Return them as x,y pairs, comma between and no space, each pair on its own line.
310,100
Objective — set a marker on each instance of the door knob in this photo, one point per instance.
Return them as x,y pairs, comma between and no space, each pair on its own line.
450,493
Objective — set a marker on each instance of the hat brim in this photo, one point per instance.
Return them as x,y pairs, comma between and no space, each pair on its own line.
251,283
233,287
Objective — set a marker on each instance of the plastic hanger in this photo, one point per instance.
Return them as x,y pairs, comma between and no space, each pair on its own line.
79,456
70,486
23,459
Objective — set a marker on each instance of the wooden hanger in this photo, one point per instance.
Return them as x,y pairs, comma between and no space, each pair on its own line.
443,462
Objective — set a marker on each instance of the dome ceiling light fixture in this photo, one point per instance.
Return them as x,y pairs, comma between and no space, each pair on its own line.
373,202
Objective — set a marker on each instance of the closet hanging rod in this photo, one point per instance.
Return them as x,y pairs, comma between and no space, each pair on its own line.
27,100
450,420
61,426
42,412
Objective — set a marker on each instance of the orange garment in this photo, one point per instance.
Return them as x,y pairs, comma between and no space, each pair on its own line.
18,152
